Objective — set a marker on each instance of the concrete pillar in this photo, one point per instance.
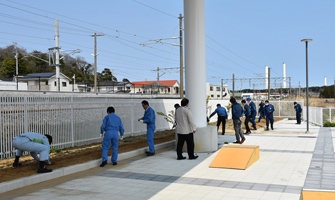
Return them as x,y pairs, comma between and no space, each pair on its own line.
195,59
206,138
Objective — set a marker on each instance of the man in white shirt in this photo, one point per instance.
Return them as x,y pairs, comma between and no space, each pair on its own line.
185,129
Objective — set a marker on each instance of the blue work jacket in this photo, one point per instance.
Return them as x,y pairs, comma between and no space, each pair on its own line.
112,123
252,107
298,108
221,111
237,111
247,111
269,110
149,116
261,108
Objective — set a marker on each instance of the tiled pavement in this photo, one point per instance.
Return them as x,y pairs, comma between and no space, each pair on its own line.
287,159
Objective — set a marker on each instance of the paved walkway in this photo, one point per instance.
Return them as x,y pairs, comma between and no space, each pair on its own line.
288,158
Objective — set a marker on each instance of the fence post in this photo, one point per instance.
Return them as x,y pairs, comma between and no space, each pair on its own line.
25,115
1,139
330,115
132,118
72,122
279,107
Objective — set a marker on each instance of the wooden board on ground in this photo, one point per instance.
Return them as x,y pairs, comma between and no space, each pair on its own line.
236,157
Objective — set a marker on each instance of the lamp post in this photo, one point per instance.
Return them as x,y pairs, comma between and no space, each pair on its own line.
307,95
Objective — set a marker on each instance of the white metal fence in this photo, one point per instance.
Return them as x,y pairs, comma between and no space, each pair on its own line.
282,108
319,115
71,120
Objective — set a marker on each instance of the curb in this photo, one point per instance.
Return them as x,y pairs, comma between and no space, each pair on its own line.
26,181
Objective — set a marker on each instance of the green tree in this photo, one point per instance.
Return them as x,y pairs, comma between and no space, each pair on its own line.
8,68
125,80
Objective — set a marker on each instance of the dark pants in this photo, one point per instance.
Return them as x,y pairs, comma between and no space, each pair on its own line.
246,123
223,120
252,120
261,116
298,116
270,118
190,145
238,131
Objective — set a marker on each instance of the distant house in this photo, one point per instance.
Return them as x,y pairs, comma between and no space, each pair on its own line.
47,82
153,87
217,91
113,87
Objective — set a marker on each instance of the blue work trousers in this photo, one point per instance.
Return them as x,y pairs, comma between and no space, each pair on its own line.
22,143
269,118
298,116
252,120
110,137
150,137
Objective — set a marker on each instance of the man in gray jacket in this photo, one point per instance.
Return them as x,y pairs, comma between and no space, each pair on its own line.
185,129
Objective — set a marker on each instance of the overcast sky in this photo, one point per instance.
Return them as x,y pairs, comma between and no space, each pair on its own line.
242,36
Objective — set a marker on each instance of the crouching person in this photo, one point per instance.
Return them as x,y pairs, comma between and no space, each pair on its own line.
34,143
111,125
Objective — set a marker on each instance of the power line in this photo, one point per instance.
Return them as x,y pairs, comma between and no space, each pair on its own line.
232,51
155,9
79,20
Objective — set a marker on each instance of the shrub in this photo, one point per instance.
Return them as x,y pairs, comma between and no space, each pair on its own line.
328,124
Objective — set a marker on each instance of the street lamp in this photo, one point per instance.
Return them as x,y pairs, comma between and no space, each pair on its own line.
307,95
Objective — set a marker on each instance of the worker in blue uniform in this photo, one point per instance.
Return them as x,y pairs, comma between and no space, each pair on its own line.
222,117
261,110
237,116
269,109
34,143
149,118
298,111
111,126
253,112
247,113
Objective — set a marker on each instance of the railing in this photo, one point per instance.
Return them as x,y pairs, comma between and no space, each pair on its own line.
282,108
71,119
319,115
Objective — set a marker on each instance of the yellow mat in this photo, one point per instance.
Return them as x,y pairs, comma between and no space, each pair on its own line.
317,195
236,157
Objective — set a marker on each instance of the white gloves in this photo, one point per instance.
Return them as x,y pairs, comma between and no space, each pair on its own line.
121,137
101,135
141,121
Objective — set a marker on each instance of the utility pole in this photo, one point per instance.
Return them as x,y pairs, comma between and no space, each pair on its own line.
95,60
233,85
269,83
290,85
17,67
181,56
221,88
57,54
157,75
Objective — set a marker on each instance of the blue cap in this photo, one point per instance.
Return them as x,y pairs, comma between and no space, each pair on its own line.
248,98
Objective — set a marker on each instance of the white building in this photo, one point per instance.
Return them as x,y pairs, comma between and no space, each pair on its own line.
47,82
215,92
11,85
152,87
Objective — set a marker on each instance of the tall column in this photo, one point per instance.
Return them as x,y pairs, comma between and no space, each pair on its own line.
284,75
266,77
57,54
195,59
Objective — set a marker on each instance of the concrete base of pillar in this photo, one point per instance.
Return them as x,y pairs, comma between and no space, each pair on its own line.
205,140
